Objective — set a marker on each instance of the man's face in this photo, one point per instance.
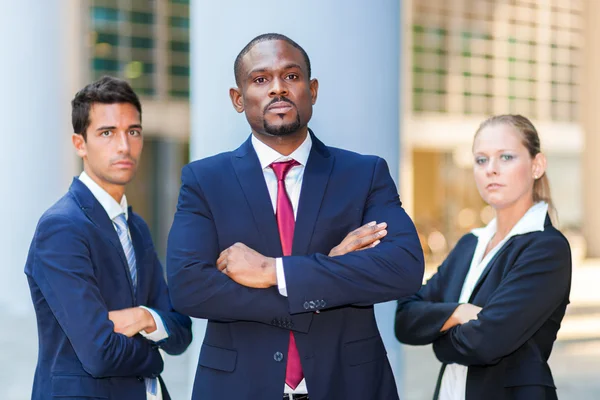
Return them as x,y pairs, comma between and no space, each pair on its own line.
113,146
275,91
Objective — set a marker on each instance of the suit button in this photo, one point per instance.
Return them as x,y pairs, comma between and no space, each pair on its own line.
311,304
306,305
139,378
278,356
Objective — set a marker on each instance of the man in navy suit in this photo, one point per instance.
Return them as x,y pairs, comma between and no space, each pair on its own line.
98,289
249,248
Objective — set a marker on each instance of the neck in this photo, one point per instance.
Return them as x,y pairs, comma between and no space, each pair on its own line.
507,218
115,191
284,145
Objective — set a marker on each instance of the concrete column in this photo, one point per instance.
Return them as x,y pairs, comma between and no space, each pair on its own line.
36,162
354,47
590,98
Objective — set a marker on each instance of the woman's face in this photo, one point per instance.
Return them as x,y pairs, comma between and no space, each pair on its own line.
503,168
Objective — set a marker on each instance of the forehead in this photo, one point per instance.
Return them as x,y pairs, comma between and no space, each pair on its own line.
114,114
272,54
498,137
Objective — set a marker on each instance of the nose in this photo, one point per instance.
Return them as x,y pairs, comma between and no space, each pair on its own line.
492,167
278,88
123,145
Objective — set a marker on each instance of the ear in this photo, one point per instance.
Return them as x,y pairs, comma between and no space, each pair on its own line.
79,144
539,166
314,89
237,99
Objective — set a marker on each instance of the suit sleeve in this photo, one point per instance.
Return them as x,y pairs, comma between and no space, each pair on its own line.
387,272
197,288
420,317
533,289
65,275
178,327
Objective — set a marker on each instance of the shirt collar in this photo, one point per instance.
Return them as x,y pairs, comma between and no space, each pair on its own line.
267,155
533,221
110,205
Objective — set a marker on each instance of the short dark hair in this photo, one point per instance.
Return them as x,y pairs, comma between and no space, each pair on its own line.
106,90
237,65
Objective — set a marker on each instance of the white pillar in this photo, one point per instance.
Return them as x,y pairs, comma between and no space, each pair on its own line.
590,90
354,47
36,162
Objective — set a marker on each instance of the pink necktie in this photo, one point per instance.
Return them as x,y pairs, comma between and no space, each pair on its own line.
286,223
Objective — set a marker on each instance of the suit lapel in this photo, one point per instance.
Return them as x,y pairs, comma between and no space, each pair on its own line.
252,180
462,269
488,268
97,215
316,175
138,247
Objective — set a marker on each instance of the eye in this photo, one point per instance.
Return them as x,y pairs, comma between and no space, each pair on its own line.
260,80
506,157
292,76
480,160
106,133
135,133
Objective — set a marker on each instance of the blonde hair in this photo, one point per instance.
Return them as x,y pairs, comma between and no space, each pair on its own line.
531,141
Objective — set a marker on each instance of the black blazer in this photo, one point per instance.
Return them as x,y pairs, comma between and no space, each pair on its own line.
523,291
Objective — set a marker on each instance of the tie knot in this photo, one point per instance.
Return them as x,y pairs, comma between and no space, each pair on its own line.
121,221
282,168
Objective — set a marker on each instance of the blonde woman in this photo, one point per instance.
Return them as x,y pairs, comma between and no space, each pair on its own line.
494,306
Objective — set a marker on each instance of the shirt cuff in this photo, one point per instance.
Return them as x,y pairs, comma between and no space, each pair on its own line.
160,333
280,277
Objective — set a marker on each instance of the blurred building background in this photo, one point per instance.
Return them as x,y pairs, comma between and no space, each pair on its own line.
459,61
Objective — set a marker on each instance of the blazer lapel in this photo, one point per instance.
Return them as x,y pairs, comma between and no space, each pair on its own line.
316,175
252,180
94,211
138,247
488,267
459,275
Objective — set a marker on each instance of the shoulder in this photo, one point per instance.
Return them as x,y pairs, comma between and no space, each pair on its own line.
550,240
65,210
353,157
207,166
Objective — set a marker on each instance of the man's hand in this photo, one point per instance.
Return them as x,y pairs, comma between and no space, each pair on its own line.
462,314
247,267
131,321
365,237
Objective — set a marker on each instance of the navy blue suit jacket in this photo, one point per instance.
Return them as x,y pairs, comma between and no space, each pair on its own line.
223,200
523,291
77,273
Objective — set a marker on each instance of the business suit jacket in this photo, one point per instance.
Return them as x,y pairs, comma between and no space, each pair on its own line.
77,273
224,200
523,291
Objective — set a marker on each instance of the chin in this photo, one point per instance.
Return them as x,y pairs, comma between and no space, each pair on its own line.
123,179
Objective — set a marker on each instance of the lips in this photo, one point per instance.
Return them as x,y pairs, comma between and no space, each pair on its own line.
280,107
124,164
493,186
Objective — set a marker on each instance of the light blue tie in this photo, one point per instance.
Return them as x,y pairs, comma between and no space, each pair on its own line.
125,239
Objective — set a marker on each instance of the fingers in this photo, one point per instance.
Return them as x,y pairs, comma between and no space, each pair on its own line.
369,246
366,241
367,229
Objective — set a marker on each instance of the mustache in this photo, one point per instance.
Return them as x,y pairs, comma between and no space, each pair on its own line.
279,99
116,160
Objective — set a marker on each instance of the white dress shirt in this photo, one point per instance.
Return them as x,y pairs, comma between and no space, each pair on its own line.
293,185
114,209
454,381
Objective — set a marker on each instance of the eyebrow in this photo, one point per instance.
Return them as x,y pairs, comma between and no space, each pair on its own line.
110,128
286,67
